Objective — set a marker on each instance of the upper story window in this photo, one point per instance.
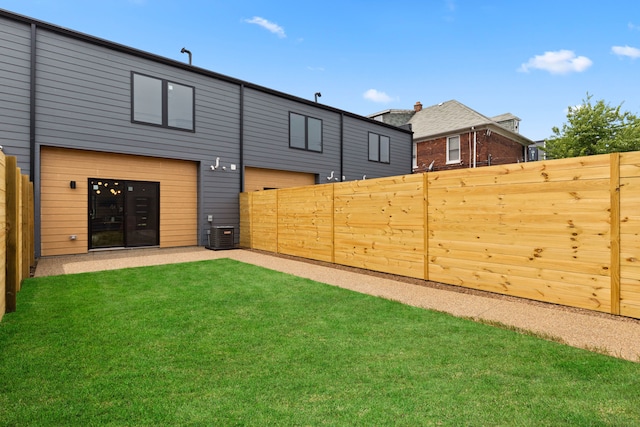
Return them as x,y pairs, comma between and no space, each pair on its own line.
162,103
453,149
305,132
379,146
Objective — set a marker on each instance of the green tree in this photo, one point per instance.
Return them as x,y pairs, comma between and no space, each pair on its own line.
594,129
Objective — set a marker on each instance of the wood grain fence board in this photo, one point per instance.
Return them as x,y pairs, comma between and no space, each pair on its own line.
555,261
245,220
19,225
31,226
567,242
630,164
3,238
576,280
557,190
519,177
305,222
629,229
557,292
615,232
265,224
425,225
542,230
631,294
630,297
13,239
380,222
540,218
543,171
24,228
407,266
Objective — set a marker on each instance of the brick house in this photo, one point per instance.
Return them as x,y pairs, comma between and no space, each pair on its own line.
451,135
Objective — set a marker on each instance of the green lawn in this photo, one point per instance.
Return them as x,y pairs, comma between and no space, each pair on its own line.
225,343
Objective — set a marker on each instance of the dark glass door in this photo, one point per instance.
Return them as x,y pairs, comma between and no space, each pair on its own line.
123,213
142,204
106,213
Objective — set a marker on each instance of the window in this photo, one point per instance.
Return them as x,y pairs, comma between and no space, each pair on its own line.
453,149
305,132
379,146
162,103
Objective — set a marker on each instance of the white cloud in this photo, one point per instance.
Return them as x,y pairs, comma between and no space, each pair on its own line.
558,62
377,96
267,25
632,26
631,52
310,68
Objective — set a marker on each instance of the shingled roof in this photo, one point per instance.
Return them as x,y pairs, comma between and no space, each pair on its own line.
452,117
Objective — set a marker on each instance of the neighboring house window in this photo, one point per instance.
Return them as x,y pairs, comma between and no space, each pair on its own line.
162,103
379,148
453,149
305,132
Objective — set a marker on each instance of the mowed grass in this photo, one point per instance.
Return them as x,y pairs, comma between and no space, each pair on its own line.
226,343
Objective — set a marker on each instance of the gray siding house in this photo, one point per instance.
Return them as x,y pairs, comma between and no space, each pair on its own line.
127,149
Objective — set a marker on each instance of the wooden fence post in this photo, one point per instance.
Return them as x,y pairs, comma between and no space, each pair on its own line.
425,222
13,223
24,229
3,235
615,233
31,225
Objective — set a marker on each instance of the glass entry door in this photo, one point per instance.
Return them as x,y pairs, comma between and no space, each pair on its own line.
142,219
123,213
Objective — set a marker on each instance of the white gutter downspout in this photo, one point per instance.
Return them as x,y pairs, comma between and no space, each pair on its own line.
475,146
470,161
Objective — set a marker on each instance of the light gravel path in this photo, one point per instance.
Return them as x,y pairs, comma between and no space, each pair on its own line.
613,335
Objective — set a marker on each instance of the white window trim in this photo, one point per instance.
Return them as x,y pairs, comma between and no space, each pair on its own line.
454,161
414,154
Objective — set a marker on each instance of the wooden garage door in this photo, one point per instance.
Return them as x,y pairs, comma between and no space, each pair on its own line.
64,210
260,179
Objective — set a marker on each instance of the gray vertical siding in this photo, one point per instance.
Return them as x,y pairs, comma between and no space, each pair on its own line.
15,51
83,101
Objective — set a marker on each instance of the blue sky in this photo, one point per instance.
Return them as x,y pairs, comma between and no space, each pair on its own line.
529,58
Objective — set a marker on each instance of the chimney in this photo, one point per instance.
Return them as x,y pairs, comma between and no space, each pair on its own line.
417,107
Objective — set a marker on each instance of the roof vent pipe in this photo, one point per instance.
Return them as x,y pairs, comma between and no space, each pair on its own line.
184,50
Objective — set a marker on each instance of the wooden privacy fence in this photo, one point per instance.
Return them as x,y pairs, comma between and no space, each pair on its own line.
17,254
562,231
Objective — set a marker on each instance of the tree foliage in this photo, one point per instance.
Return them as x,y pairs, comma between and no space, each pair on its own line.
594,129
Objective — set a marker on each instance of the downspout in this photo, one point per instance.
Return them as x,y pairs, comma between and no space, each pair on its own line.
475,146
241,137
470,150
33,176
341,147
32,107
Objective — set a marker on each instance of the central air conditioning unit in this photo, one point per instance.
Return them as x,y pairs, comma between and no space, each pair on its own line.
221,237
